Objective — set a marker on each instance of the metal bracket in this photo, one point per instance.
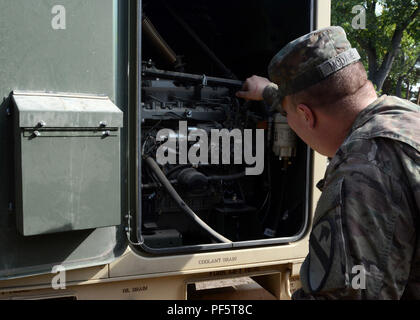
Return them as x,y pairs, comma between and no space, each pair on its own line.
204,81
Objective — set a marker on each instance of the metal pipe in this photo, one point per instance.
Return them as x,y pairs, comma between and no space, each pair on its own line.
193,78
151,32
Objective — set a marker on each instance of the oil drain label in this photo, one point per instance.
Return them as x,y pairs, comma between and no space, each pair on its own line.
135,289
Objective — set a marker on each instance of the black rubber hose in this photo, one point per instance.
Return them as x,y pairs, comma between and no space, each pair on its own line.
182,205
227,177
177,168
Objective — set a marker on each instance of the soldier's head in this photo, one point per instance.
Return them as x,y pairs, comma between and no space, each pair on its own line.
321,81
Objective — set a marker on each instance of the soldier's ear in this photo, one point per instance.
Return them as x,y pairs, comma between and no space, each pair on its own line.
306,115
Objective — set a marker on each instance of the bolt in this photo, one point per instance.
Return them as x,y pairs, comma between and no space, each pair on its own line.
204,81
41,124
106,133
102,124
188,113
37,133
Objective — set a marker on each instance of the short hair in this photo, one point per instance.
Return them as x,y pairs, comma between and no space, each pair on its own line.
340,85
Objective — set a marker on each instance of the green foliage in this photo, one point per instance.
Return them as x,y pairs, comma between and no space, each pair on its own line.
378,41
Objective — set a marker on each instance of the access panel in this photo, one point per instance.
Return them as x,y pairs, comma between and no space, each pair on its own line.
69,46
67,160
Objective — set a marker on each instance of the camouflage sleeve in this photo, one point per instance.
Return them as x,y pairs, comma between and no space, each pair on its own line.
271,97
363,237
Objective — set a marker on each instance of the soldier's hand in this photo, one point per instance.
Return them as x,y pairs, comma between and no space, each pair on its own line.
253,88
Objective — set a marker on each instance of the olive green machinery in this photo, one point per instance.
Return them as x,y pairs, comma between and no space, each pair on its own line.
81,81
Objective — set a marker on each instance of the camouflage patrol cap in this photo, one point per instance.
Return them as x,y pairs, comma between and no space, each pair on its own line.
311,59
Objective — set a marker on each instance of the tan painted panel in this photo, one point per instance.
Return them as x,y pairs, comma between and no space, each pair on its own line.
159,288
145,289
165,288
323,14
133,264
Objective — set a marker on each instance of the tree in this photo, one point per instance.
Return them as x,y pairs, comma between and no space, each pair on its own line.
405,71
389,42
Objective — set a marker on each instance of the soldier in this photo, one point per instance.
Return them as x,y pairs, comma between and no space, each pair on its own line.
365,241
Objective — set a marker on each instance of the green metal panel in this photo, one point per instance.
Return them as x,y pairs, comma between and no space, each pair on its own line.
87,57
69,176
35,56
66,111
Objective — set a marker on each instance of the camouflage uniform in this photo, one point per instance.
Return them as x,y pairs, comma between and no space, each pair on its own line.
307,61
367,219
365,240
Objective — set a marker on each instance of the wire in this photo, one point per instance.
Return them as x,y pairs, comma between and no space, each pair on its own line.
156,125
181,204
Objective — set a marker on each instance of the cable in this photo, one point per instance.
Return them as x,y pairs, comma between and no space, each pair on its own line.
182,205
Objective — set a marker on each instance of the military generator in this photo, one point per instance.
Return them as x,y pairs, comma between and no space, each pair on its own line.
129,169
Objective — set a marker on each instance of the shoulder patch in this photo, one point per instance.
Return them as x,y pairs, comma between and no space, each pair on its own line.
321,253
